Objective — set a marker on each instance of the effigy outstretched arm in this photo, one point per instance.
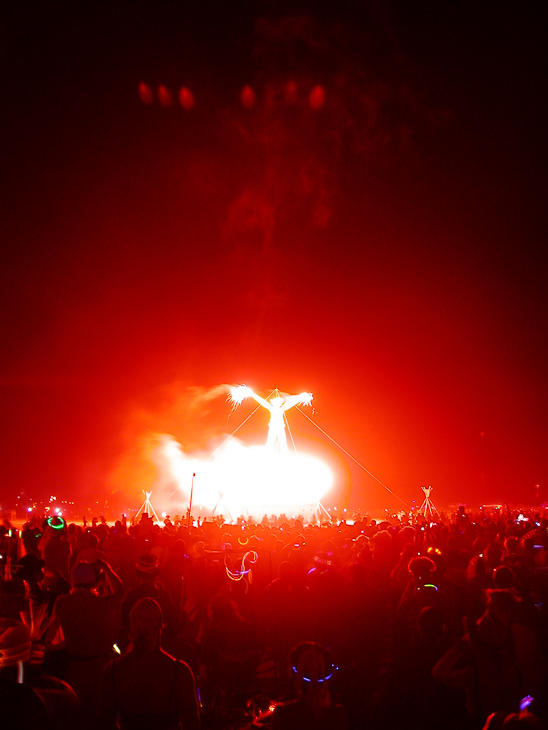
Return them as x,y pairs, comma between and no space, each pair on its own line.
260,400
293,400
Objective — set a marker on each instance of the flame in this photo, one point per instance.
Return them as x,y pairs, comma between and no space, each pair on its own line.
238,394
249,480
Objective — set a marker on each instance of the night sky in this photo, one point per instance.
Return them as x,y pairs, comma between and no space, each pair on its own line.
368,225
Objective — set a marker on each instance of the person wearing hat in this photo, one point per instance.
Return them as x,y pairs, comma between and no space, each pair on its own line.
30,569
54,546
147,571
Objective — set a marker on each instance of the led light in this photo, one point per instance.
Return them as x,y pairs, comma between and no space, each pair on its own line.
60,526
322,679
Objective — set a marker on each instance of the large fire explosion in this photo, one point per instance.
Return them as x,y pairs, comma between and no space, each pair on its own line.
249,480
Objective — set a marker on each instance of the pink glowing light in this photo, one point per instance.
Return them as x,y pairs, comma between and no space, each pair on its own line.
165,97
316,98
186,98
247,97
145,93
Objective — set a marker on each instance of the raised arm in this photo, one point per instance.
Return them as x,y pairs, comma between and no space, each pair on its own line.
114,584
260,400
240,392
293,400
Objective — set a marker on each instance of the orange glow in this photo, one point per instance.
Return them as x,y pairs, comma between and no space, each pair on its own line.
343,209
247,480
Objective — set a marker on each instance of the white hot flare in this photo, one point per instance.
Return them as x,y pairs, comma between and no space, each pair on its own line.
252,480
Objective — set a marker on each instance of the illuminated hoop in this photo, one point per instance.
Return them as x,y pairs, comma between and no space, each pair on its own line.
60,526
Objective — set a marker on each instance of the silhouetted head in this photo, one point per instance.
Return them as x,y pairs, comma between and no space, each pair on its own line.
312,665
421,568
146,622
503,577
147,567
431,623
83,575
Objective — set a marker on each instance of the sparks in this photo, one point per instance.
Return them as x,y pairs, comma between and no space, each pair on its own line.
253,480
276,406
238,394
250,480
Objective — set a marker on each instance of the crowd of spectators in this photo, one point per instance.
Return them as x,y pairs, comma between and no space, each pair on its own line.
370,624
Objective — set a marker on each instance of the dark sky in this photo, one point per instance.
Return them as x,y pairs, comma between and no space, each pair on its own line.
384,251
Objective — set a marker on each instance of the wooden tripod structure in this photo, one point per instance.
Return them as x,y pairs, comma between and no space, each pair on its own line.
427,508
146,508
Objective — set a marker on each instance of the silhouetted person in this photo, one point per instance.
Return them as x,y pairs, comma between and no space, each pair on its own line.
147,572
89,620
313,668
147,688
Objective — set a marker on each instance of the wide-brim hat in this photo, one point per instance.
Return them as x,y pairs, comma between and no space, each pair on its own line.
29,566
147,566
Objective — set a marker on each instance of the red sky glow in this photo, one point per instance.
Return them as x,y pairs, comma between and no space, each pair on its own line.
347,202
